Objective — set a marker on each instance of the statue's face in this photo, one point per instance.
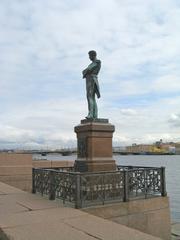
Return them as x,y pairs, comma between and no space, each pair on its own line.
92,57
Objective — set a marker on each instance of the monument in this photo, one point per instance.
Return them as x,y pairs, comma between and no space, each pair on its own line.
94,135
128,194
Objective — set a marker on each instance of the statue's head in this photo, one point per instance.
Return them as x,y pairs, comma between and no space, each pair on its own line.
92,55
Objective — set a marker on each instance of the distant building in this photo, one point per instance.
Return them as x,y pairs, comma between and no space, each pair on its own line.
157,148
139,148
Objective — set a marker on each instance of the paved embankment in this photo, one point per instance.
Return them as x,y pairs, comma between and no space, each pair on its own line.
24,216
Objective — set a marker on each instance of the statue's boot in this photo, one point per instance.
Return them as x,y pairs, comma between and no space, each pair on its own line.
89,116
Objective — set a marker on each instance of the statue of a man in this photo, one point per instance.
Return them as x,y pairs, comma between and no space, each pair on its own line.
92,85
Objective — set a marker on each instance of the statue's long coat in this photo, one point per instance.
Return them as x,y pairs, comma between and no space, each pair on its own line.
90,73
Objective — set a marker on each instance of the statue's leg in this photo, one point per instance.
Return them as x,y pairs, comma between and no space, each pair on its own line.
90,106
89,89
95,109
88,100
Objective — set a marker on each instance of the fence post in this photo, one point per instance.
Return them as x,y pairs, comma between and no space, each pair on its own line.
78,191
163,182
52,192
126,186
145,183
33,181
42,182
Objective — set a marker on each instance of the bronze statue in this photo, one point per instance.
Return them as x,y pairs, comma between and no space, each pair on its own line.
92,85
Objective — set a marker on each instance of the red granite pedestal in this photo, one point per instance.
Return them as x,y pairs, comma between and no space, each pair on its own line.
94,139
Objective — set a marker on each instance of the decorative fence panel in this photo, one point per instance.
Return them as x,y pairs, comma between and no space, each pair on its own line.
87,189
99,188
65,186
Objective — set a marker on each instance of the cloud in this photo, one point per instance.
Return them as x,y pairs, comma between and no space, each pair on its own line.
174,120
128,112
44,47
167,83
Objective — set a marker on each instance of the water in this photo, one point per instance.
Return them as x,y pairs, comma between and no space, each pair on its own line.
172,164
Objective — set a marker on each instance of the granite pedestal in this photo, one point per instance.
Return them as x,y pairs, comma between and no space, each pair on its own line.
94,139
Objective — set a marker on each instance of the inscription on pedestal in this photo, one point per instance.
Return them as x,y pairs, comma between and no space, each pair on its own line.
82,147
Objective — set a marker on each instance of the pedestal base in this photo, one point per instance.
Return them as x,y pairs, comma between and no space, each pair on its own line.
94,146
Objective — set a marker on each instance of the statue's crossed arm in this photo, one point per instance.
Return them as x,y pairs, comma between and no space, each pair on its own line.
89,69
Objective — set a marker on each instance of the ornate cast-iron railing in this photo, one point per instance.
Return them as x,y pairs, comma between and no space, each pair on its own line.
87,189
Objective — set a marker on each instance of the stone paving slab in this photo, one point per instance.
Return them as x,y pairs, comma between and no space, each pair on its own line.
35,202
52,231
24,216
9,206
24,202
45,215
7,189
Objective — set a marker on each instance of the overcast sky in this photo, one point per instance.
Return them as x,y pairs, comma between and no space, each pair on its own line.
43,50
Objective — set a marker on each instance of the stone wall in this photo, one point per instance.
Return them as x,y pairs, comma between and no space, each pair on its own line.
51,164
16,170
151,216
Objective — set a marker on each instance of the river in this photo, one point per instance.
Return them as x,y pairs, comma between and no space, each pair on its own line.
172,164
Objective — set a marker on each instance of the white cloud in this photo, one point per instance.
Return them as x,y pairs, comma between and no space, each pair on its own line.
167,83
128,112
174,120
44,47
